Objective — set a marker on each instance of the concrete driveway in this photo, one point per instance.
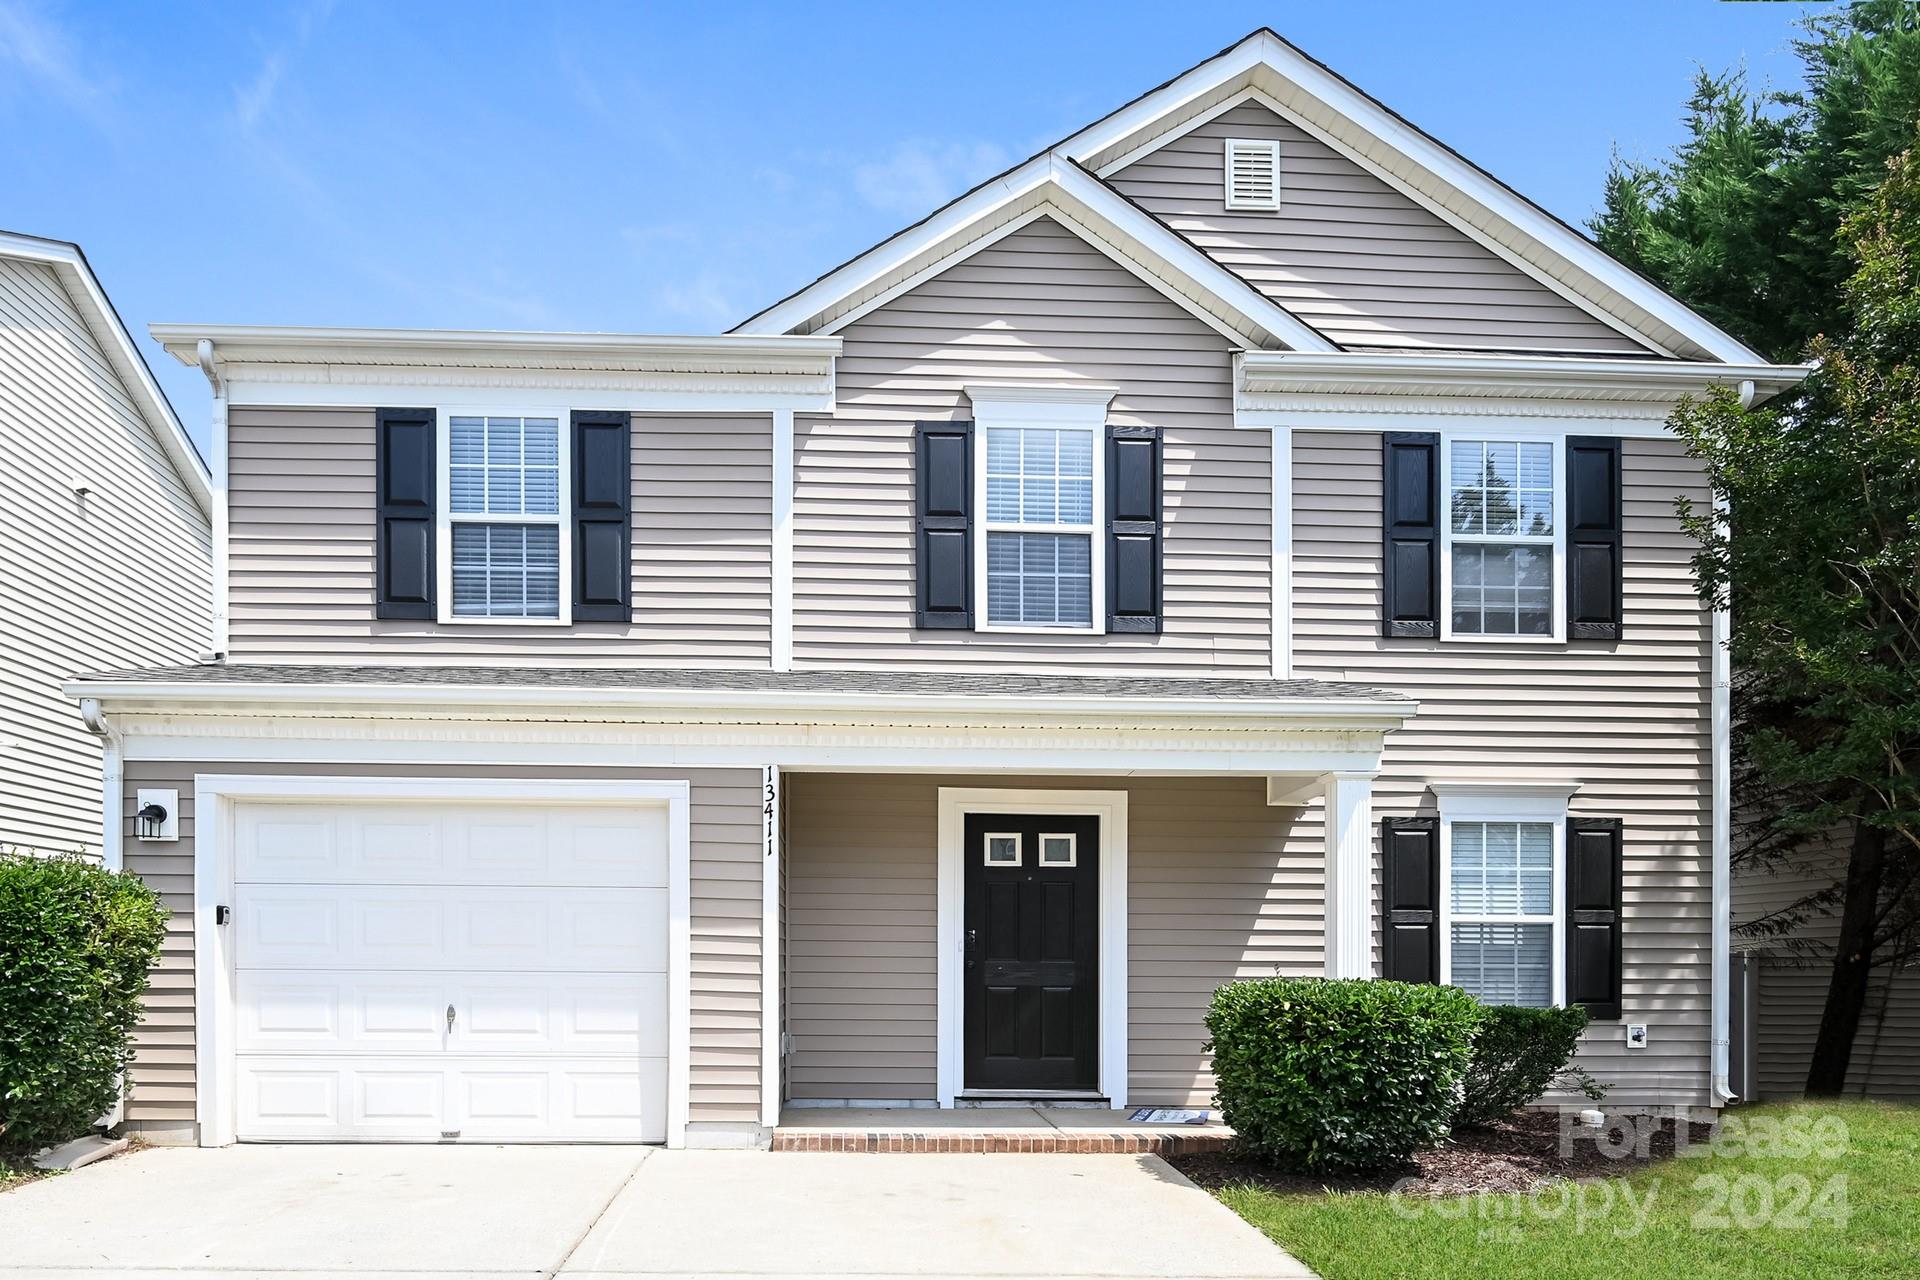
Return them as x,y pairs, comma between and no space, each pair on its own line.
425,1212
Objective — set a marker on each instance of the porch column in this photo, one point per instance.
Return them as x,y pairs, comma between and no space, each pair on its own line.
1349,877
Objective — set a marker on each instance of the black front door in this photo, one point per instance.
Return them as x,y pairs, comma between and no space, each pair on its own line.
1032,939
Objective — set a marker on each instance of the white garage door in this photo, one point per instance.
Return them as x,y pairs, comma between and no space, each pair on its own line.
452,970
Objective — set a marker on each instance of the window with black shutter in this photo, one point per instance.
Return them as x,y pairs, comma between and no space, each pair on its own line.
1411,534
1594,568
1134,478
1595,893
602,518
407,479
1410,899
943,525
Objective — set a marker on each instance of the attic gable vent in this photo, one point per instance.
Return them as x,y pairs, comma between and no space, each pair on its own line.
1253,173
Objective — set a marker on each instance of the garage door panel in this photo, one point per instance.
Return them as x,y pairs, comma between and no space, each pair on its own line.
441,928
577,845
583,1101
295,1012
575,1013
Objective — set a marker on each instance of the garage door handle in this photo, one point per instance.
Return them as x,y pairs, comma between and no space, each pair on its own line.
449,1017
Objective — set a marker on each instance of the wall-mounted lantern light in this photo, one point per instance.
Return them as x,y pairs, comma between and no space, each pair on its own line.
156,815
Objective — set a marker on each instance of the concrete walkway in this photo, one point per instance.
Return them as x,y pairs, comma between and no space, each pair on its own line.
434,1213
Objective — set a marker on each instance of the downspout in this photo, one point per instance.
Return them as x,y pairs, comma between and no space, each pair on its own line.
112,854
210,366
1722,983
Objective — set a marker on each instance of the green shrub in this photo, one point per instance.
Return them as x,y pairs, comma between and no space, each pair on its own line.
1323,1074
76,942
1518,1055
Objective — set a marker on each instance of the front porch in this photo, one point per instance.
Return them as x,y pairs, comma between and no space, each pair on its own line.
1009,1130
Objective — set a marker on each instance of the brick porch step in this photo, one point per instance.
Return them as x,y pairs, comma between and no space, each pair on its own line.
1007,1130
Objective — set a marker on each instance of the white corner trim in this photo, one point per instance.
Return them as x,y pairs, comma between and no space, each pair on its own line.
1347,829
781,647
1280,571
216,797
772,852
1110,808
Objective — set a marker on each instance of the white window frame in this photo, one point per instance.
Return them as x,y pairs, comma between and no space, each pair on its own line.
1505,802
1557,609
1048,409
1073,849
445,519
1019,849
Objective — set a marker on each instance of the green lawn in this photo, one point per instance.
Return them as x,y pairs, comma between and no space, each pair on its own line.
1744,1214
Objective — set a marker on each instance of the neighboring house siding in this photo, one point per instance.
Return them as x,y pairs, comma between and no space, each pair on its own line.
1793,981
725,914
1629,721
1039,305
1350,255
118,578
302,550
1236,896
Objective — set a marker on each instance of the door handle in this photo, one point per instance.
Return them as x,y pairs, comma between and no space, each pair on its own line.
449,1019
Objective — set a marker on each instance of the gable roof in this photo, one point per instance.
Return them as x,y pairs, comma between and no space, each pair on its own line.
69,264
1332,109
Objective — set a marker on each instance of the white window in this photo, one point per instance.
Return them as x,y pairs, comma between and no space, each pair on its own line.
1003,849
1040,526
1059,851
1502,896
504,551
1253,174
1502,535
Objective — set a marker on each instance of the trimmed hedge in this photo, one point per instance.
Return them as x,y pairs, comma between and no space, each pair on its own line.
76,942
1518,1055
1335,1074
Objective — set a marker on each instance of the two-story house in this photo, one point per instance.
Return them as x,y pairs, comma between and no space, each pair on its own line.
105,521
1238,540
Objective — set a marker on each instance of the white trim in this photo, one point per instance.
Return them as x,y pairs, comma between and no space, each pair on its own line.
1047,409
1556,607
1046,185
215,799
445,518
1413,154
1494,802
1110,808
782,553
771,1027
1722,851
1237,200
1347,830
69,263
222,507
1280,571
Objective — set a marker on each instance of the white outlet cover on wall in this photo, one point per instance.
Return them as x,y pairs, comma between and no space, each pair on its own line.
1636,1035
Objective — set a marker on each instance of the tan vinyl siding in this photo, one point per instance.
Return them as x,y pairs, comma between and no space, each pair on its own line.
1348,254
725,913
1793,982
1629,721
302,550
1039,305
1237,895
117,579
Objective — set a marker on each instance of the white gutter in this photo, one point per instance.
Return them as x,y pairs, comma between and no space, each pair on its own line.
210,366
1361,373
1325,713
181,341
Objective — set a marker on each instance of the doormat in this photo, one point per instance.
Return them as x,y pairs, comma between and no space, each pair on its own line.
1168,1115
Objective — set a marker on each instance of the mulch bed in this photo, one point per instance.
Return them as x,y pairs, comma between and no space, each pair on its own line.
1519,1154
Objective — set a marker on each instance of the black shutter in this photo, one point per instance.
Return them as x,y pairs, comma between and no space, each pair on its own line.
1593,538
602,518
406,480
1593,915
1133,529
943,525
1410,899
1411,534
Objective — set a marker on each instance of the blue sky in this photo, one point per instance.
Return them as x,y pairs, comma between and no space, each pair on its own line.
673,168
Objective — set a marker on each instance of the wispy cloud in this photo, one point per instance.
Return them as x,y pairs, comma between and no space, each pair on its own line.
40,51
706,301
254,99
920,175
